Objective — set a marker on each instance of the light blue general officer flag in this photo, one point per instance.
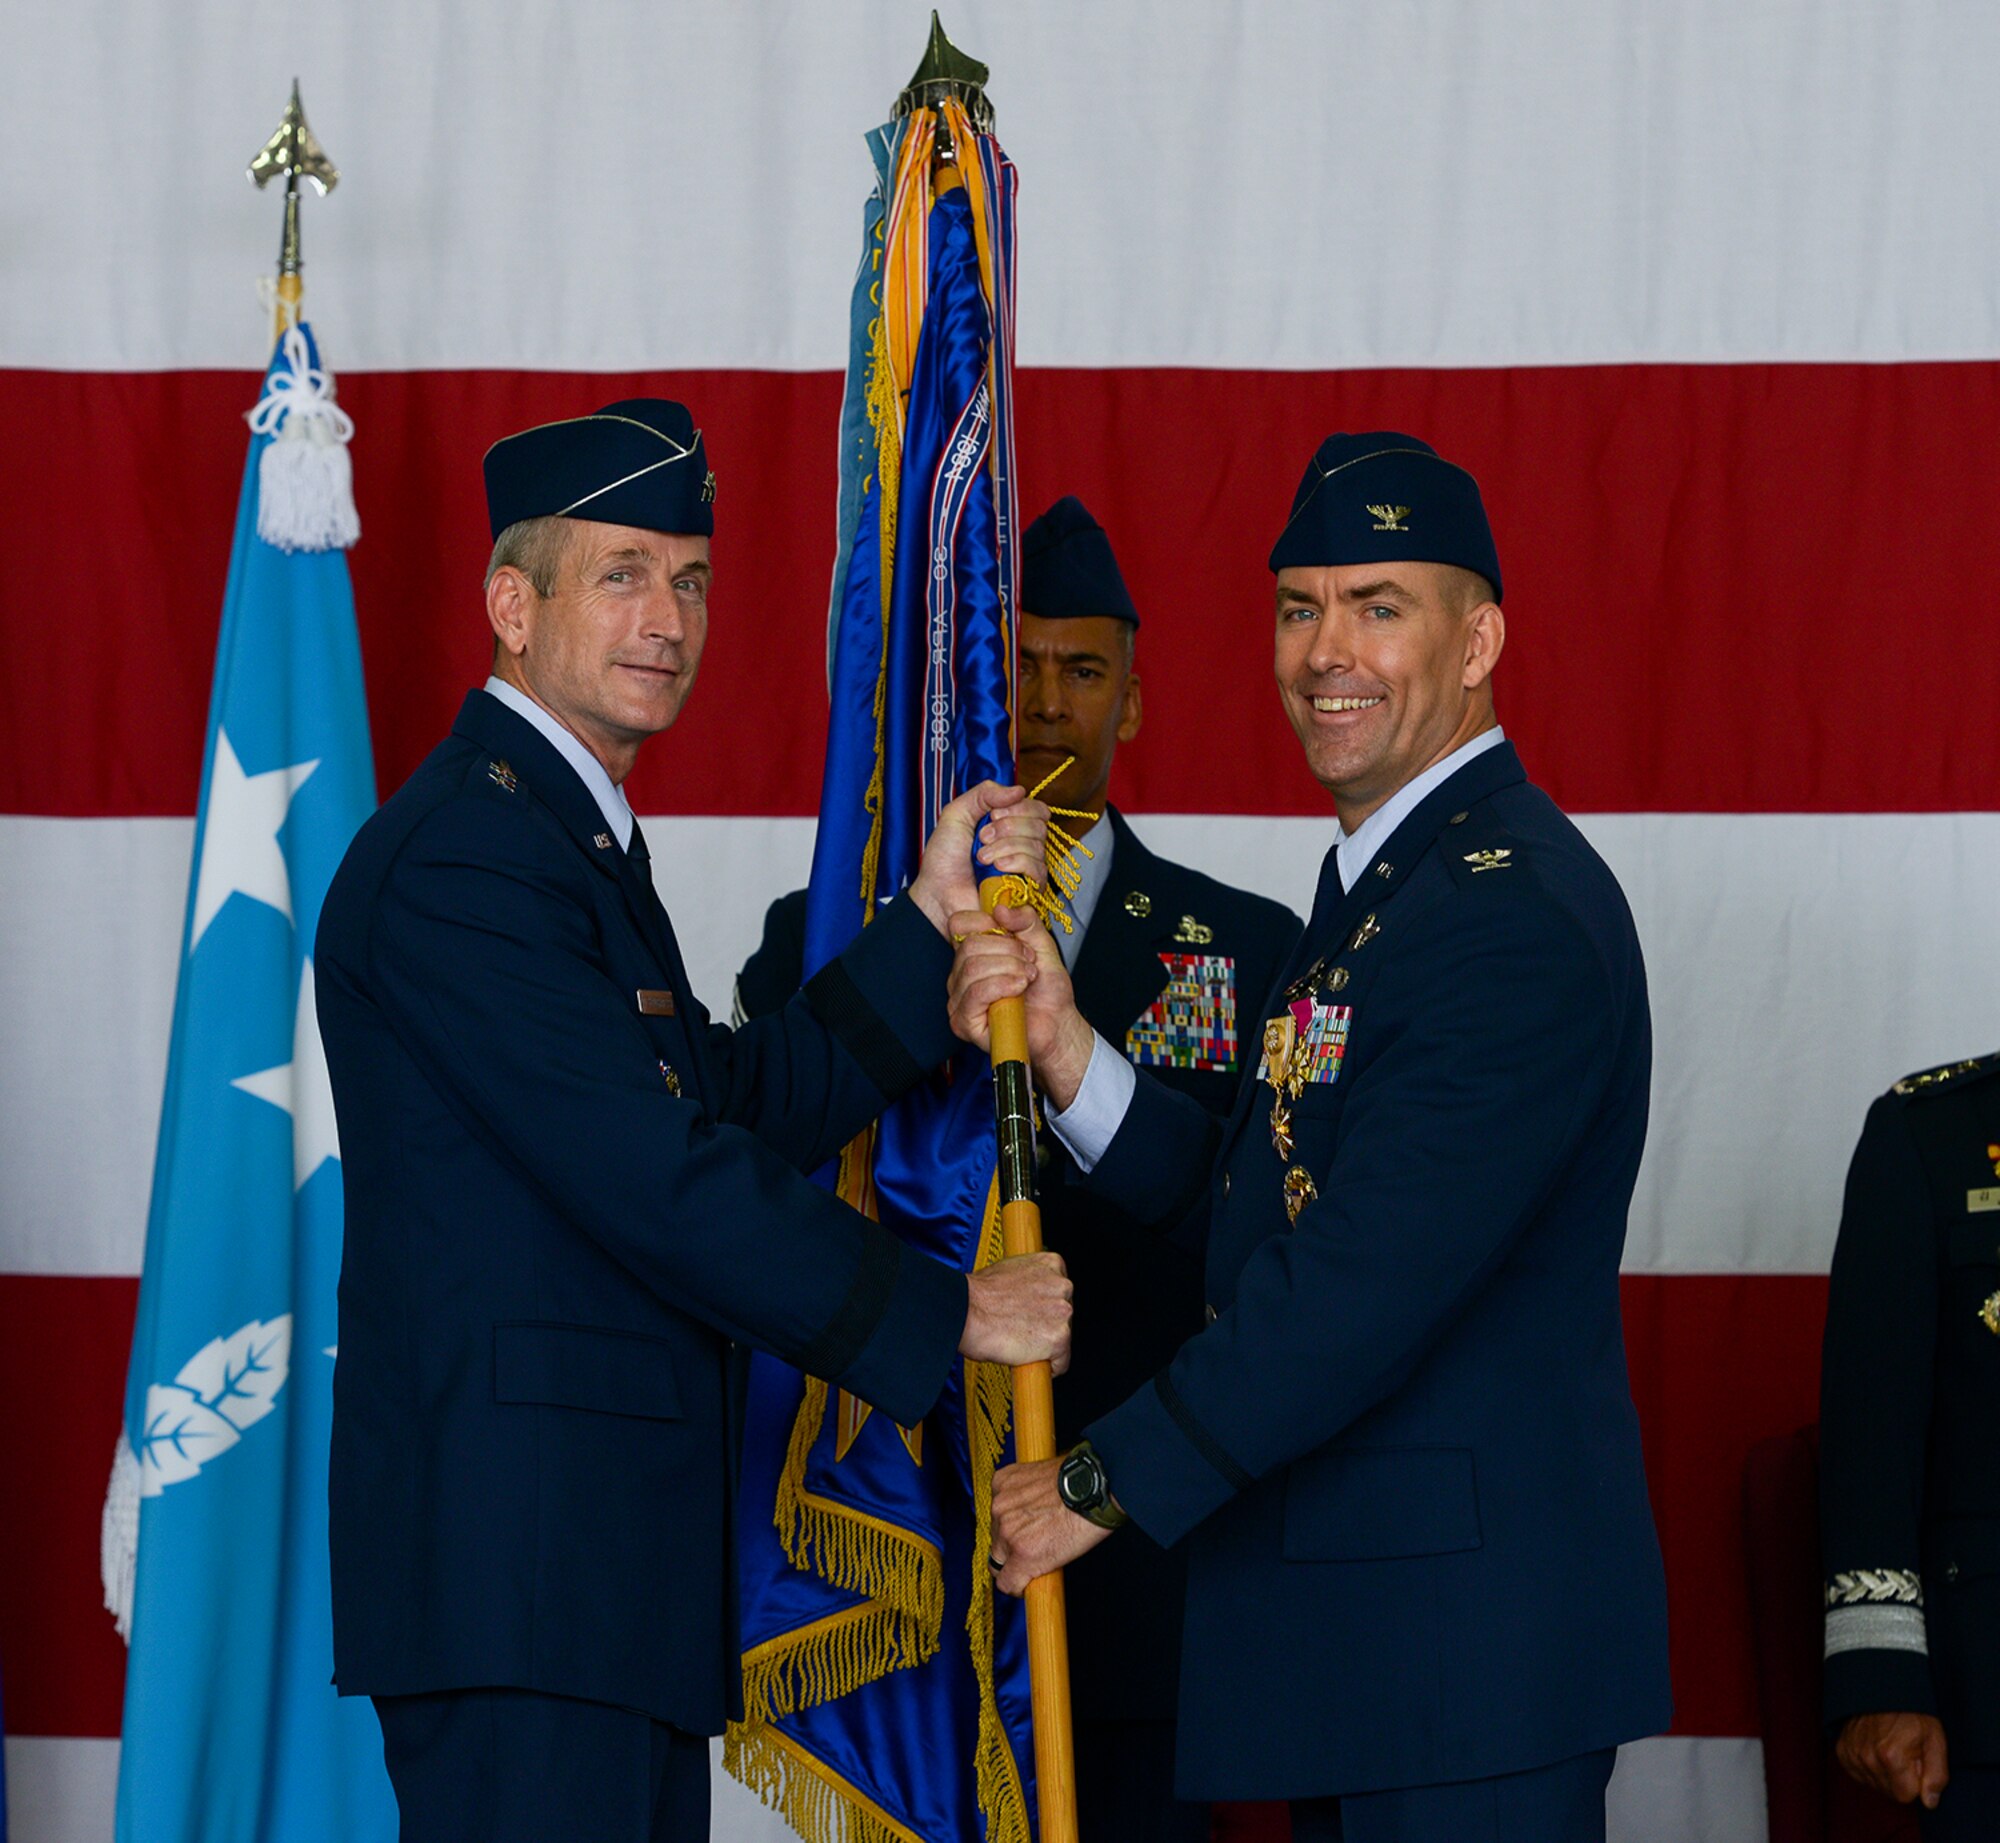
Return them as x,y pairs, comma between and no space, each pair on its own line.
232,1731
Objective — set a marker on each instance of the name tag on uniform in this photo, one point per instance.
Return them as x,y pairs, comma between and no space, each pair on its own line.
1977,1200
654,1003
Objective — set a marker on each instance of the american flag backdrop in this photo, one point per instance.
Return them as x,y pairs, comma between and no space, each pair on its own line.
1707,295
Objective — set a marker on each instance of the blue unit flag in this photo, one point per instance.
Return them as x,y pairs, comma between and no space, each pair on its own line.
232,1731
885,1684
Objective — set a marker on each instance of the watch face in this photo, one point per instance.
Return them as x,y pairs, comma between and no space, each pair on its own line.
1080,1481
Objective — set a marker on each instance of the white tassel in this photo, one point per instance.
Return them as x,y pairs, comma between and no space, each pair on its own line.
305,482
118,1536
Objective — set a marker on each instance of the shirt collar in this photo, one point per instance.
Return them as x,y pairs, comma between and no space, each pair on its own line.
610,798
1379,827
1094,869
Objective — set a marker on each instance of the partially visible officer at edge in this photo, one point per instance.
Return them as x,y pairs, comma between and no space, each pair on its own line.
1425,1596
1168,964
1910,1453
570,1200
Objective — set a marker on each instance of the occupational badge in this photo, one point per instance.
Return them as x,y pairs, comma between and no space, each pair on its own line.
1192,1024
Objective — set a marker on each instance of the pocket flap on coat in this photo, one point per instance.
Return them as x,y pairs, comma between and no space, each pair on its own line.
1373,1504
583,1366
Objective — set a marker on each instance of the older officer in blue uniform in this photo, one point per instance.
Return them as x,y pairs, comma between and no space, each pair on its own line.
1910,1453
1425,1597
570,1200
1167,965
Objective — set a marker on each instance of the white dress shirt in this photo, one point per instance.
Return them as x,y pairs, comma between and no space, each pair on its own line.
1087,1125
610,798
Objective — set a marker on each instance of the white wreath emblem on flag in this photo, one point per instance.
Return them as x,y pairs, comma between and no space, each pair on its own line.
222,1391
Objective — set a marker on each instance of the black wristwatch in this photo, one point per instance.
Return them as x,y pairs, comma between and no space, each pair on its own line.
1081,1483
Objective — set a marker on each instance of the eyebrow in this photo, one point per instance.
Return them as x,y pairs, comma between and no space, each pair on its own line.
1080,656
1383,591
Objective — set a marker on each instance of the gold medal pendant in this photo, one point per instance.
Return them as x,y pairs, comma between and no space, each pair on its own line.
1281,1127
1299,1191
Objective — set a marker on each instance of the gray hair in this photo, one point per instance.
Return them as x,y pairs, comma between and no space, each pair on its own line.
535,547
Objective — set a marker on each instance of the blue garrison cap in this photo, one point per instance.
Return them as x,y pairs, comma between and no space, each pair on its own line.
639,462
1067,569
1386,498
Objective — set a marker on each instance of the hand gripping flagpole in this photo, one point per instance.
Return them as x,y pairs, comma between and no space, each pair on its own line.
1034,1398
1034,1385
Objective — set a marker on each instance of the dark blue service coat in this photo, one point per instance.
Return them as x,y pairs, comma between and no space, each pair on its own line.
1910,1415
1403,1454
567,1195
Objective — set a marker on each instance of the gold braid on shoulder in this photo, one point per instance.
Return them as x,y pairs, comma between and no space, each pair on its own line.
1064,871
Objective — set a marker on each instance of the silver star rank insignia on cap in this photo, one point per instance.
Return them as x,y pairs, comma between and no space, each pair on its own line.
1390,518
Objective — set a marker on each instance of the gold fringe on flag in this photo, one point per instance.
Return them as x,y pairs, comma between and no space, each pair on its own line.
807,1793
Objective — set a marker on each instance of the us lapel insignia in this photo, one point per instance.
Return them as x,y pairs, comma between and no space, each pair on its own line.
1390,518
1138,903
673,1080
602,840
1299,1191
1368,930
1194,933
1192,1024
1488,860
1989,1314
502,776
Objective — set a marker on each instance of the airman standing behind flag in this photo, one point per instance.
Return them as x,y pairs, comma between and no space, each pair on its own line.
1167,963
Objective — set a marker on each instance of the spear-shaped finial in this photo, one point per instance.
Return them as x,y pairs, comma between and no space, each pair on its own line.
294,151
947,72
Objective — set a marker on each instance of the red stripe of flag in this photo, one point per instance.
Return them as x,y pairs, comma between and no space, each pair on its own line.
1750,588
1718,1364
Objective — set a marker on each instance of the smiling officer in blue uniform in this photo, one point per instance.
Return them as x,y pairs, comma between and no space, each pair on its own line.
1169,964
1425,1596
570,1199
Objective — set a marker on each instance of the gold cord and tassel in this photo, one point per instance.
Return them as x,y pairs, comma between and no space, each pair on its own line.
1064,872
